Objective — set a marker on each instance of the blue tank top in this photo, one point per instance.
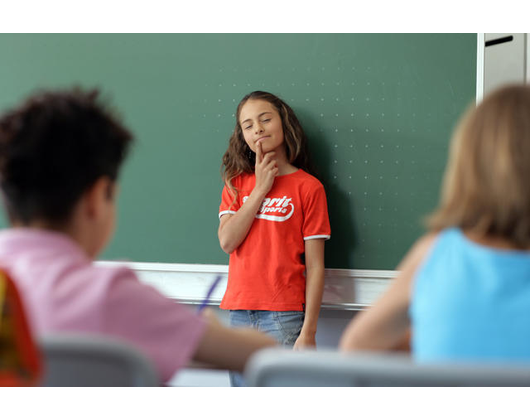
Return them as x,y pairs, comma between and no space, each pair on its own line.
471,302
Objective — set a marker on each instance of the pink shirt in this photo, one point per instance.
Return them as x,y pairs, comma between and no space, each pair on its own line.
64,291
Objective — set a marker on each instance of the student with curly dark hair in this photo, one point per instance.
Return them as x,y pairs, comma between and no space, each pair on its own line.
60,154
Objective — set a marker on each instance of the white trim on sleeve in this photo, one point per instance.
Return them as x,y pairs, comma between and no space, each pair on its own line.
326,237
226,212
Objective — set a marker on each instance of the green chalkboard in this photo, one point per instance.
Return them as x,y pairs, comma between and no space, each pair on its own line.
378,110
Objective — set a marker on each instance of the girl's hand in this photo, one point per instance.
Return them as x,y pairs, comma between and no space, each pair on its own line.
305,341
266,170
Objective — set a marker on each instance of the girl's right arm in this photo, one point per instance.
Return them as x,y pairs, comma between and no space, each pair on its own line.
233,228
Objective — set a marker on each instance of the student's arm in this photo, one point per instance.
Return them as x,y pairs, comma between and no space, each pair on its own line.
386,325
233,228
229,348
314,258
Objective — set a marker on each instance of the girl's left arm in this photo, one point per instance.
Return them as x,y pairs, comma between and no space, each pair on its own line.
314,259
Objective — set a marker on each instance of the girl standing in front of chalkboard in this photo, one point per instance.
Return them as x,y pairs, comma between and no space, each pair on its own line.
273,223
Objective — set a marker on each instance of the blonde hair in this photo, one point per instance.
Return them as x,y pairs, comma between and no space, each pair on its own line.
486,188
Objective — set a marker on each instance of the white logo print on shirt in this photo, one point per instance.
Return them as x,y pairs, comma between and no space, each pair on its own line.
275,209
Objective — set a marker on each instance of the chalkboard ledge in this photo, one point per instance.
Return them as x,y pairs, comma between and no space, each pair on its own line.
188,283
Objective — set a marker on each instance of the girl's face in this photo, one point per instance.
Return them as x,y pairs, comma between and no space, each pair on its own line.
261,123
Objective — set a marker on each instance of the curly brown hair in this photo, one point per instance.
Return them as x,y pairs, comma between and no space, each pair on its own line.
240,159
53,147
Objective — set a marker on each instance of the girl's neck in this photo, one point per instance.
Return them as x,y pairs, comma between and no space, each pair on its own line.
285,168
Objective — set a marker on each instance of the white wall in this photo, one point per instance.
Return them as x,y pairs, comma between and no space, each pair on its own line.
502,63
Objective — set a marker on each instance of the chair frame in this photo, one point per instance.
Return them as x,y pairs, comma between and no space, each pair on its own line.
281,367
94,360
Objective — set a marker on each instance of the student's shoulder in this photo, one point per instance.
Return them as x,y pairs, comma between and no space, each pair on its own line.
121,284
308,182
113,274
307,178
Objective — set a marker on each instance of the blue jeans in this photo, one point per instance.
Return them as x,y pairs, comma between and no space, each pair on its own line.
283,326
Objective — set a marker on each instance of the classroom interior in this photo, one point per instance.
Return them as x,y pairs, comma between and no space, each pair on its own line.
379,110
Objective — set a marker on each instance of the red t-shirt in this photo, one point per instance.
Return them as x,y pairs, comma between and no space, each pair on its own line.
266,271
